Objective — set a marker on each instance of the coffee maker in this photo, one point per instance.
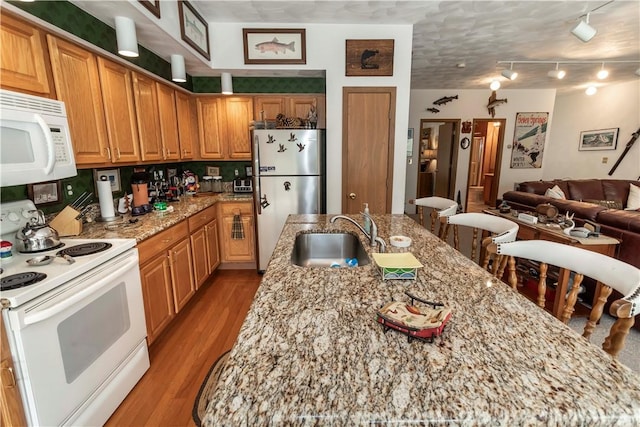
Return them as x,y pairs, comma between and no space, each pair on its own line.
140,191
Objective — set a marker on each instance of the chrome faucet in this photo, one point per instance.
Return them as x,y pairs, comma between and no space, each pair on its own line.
374,239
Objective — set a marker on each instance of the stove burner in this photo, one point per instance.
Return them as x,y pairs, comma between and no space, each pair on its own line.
85,249
20,280
58,246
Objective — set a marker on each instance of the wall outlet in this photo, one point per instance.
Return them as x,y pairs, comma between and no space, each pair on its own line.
236,172
605,159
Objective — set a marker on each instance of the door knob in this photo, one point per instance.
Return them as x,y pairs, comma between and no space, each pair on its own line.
352,196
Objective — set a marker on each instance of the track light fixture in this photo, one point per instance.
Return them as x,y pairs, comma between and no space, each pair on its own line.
126,37
227,83
583,30
557,73
603,74
510,74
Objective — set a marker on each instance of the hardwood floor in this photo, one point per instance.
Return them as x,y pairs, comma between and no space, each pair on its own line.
182,355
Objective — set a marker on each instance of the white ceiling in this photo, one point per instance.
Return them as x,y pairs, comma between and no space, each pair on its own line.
446,33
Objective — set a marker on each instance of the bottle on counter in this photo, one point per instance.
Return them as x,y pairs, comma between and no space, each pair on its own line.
366,220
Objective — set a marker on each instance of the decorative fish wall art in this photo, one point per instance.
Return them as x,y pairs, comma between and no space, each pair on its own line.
494,102
444,100
433,110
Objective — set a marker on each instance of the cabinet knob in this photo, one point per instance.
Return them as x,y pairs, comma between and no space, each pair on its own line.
352,196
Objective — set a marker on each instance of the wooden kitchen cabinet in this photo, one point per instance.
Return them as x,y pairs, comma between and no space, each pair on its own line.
117,96
147,117
236,250
25,64
223,125
168,122
11,412
77,83
290,106
204,244
187,124
166,272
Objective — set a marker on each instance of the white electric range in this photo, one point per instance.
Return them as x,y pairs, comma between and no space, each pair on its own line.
77,335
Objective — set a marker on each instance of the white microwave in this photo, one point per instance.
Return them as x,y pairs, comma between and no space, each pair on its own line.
35,145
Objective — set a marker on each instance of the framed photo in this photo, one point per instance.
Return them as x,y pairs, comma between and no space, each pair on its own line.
529,138
369,57
603,139
274,46
194,28
152,6
213,171
45,193
113,175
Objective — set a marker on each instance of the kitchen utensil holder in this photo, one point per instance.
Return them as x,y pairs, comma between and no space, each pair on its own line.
66,224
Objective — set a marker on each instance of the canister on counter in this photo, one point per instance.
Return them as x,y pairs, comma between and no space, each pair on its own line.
216,184
6,251
206,185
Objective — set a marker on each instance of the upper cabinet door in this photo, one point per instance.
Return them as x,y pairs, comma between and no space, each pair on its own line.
75,74
300,105
268,107
168,122
210,127
24,63
239,111
119,109
145,94
187,124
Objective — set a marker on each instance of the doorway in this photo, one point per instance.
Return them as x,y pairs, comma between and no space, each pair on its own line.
368,117
438,158
484,164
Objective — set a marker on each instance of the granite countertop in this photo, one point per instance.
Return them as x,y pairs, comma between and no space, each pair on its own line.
156,221
310,351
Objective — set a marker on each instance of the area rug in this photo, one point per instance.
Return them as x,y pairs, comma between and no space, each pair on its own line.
207,388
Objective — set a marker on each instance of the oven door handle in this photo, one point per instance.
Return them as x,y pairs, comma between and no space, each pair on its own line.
40,315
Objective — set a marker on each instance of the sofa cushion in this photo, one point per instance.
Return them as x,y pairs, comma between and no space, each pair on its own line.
540,187
624,220
633,201
555,192
527,199
609,204
617,189
580,209
580,189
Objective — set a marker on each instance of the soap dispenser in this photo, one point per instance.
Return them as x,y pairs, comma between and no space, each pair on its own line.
366,220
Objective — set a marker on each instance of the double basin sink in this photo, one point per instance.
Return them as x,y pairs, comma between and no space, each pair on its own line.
327,250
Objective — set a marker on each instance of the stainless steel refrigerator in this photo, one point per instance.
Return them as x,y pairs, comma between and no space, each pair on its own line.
288,168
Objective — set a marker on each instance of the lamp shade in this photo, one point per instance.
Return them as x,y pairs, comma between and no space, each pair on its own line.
178,72
227,83
584,31
126,36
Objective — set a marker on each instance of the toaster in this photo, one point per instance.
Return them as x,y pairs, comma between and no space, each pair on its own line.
242,185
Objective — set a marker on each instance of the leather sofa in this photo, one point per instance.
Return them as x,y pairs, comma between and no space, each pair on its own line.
621,224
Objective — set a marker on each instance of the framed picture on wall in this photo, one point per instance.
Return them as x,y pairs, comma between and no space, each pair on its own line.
113,176
529,138
274,46
193,28
152,6
369,57
603,139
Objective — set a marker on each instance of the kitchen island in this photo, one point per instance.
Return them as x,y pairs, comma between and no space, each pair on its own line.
311,352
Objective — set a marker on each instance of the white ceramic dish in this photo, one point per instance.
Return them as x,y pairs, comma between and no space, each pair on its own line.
400,241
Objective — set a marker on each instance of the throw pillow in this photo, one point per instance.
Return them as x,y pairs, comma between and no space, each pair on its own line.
609,204
633,202
555,192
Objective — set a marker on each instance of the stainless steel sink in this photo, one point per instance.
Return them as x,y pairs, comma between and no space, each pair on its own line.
325,249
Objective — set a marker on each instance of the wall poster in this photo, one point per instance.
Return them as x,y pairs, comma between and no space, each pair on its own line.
528,140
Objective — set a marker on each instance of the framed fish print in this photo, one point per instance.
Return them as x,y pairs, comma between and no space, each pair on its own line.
193,28
369,57
274,46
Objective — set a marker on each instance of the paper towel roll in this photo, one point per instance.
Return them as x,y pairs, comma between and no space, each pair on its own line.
107,210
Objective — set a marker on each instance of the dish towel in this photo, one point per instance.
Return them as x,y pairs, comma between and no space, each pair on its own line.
237,230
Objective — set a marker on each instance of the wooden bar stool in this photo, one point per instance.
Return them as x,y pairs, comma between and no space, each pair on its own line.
440,208
610,272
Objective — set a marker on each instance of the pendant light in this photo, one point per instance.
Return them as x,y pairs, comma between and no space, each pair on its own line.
226,83
178,72
126,37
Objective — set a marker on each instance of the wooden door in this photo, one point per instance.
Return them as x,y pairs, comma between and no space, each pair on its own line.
213,251
239,113
445,178
119,109
235,250
210,127
182,274
146,96
200,262
157,296
75,74
299,106
368,126
268,107
187,124
168,122
24,63
492,130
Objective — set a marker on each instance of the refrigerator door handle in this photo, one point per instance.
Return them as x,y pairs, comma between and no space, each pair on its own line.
256,175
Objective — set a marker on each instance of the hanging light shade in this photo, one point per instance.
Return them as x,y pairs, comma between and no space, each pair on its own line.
510,74
178,72
583,30
126,36
227,84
